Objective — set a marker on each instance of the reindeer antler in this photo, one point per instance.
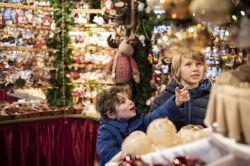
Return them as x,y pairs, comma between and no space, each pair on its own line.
112,42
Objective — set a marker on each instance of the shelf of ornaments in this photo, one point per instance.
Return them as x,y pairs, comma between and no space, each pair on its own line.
32,27
92,11
11,48
16,39
27,7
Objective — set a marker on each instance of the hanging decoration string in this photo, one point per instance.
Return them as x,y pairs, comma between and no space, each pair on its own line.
63,56
145,31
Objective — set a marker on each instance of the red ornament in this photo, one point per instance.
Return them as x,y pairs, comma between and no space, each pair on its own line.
132,160
17,18
187,161
62,24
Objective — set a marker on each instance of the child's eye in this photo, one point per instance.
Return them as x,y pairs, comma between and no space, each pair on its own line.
199,64
188,64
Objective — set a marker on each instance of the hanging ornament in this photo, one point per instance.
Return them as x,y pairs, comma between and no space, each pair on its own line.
155,4
211,11
240,35
2,21
177,9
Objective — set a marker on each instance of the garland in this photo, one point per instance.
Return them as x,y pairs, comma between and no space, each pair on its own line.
60,94
143,91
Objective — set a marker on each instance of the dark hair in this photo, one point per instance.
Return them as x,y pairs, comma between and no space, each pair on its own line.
106,100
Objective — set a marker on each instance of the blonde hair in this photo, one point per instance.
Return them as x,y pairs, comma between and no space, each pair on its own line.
186,53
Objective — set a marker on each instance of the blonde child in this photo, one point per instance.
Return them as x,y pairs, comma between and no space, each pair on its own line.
189,89
119,119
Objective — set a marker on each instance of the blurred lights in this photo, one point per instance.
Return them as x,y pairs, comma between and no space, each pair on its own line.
234,17
242,13
191,30
164,38
199,26
174,16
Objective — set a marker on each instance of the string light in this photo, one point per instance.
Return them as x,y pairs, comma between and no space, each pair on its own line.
234,17
242,13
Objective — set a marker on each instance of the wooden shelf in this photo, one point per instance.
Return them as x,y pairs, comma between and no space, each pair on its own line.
11,48
28,27
95,28
95,66
26,7
92,11
80,116
93,83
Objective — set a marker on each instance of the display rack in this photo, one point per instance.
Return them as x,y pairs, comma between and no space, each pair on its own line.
90,54
25,59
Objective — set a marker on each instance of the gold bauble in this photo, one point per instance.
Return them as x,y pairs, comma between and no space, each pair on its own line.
137,143
163,133
177,9
212,11
191,133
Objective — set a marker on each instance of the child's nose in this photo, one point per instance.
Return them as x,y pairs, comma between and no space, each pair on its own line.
195,67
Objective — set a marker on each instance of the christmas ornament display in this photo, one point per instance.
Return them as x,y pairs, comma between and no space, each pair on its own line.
137,143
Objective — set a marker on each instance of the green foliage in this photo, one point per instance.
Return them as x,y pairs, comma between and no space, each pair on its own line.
19,82
143,90
59,81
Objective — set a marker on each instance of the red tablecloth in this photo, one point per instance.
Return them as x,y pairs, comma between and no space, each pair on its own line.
59,142
5,97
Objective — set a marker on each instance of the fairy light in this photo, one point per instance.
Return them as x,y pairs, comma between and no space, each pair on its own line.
234,17
242,13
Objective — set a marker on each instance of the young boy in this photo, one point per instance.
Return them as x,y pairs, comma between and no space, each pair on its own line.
188,91
119,119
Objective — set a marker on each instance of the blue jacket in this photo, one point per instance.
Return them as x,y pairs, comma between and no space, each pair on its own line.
192,112
112,132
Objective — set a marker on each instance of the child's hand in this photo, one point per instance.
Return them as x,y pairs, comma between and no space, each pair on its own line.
182,95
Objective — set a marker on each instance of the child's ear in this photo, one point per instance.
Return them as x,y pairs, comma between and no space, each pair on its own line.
111,114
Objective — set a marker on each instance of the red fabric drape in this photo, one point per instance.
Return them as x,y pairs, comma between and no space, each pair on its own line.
5,97
60,142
